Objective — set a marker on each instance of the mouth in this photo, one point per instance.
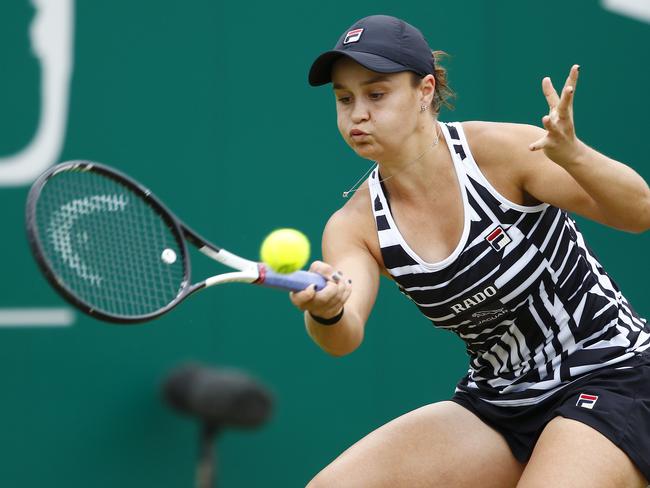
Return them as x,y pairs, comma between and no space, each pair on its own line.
356,133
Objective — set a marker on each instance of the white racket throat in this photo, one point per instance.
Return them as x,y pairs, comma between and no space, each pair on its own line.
229,259
249,270
249,276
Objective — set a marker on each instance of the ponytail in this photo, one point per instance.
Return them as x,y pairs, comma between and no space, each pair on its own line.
443,93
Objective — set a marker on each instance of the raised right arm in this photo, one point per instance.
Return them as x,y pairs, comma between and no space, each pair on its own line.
353,280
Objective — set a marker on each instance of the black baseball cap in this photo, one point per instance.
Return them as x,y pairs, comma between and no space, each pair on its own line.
379,43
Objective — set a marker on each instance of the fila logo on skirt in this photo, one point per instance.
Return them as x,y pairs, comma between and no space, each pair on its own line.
498,238
586,401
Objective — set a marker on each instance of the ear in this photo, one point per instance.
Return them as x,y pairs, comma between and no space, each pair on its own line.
427,89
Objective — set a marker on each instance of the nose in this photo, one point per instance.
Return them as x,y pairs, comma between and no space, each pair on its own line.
360,112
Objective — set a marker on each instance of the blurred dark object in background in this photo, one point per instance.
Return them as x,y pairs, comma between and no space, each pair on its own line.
218,398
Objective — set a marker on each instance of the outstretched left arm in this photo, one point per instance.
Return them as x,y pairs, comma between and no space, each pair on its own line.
615,194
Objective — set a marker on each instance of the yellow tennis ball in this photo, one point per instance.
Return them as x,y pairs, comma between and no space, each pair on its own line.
285,250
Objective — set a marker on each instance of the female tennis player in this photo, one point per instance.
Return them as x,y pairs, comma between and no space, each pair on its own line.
471,220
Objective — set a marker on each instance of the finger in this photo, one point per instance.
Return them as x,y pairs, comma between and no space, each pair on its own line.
549,92
334,296
341,285
345,289
302,298
326,270
565,106
538,144
321,268
572,79
347,292
328,310
325,296
542,141
566,101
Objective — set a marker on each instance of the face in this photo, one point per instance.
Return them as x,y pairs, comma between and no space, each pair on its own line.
377,113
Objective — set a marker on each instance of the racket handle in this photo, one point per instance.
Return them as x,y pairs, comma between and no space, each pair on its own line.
296,281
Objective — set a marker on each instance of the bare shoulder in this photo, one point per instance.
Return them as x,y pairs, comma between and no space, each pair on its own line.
355,213
353,225
501,151
494,142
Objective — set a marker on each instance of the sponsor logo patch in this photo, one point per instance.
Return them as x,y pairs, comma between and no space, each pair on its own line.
586,401
498,238
487,313
487,316
353,36
474,300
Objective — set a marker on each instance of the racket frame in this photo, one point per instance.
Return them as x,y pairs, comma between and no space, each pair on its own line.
248,271
37,247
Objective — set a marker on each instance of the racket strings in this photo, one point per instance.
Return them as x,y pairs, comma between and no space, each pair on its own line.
106,244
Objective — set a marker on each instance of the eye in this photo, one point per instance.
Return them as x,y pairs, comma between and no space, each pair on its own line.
376,95
344,99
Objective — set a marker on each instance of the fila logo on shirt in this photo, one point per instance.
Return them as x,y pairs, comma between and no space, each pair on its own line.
498,238
586,401
353,36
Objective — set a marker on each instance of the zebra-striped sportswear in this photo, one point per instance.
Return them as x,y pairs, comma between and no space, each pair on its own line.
522,289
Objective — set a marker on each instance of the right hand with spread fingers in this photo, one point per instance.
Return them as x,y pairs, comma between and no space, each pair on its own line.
329,301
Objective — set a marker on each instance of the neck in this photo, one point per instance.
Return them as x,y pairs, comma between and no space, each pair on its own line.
414,169
417,147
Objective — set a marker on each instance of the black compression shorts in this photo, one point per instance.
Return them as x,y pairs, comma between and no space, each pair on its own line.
614,400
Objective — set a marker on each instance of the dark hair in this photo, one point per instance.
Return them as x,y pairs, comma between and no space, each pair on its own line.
443,92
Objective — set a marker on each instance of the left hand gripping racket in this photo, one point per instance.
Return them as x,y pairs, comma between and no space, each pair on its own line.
114,251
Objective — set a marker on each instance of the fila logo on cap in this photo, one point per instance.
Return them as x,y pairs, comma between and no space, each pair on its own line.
353,36
586,401
498,238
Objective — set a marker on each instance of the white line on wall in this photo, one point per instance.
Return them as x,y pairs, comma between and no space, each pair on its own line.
36,317
637,9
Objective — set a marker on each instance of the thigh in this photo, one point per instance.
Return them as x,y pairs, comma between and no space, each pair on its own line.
572,454
442,445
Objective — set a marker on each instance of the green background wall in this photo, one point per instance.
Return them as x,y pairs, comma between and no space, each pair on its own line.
207,103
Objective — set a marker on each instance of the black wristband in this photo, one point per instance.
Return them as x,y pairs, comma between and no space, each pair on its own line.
330,321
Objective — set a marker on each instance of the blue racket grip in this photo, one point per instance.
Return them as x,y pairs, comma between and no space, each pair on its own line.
296,281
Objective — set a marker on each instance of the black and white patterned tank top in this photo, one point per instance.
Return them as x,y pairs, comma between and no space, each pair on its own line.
528,297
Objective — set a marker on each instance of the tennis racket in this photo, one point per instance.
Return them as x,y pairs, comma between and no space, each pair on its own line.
114,251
